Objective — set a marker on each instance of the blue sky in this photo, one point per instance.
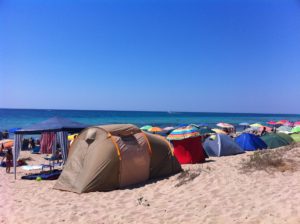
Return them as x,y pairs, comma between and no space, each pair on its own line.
210,56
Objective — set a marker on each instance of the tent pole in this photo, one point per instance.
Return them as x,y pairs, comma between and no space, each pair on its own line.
15,168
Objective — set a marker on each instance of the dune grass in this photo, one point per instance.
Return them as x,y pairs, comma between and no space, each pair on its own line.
270,160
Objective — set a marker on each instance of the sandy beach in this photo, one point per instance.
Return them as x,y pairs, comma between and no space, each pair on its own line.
221,192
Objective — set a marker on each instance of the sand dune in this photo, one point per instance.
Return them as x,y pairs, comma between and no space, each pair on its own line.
219,193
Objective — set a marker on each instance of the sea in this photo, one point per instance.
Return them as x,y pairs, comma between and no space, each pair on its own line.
21,118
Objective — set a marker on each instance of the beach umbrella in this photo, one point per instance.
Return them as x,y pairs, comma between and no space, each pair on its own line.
225,125
251,129
282,122
289,124
296,129
256,125
183,133
168,128
244,124
7,143
146,127
272,122
155,129
219,131
297,123
295,137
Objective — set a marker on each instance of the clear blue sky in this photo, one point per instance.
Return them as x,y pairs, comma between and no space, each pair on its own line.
210,56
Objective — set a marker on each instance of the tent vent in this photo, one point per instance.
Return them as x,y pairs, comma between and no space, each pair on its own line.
90,136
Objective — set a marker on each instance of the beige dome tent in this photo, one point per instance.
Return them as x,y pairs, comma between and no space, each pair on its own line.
108,157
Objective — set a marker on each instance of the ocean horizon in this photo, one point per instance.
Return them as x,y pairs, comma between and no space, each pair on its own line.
20,118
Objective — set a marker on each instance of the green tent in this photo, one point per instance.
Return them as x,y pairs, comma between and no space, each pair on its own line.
295,137
296,129
274,141
286,137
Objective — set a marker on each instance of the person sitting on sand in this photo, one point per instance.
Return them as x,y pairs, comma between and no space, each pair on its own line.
9,159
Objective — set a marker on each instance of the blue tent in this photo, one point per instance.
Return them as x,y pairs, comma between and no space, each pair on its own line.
250,142
222,145
54,124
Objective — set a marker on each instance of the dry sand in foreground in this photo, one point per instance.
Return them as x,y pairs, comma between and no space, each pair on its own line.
221,193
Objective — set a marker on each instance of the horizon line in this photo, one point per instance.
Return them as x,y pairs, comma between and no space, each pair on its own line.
157,111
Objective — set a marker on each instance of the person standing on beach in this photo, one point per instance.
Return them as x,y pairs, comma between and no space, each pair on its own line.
5,134
9,159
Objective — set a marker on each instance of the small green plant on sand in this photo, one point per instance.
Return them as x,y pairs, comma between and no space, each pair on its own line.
268,160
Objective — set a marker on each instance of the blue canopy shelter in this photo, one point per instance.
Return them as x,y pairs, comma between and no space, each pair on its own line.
222,145
61,126
250,142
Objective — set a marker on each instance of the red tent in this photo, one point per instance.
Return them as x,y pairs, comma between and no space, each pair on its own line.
189,150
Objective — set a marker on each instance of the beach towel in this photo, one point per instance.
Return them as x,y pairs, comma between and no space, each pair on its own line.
35,167
51,175
48,141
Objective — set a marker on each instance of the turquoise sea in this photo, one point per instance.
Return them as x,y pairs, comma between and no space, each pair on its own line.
20,118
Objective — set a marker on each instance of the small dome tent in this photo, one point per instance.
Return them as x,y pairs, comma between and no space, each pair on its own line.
250,142
274,141
222,145
109,157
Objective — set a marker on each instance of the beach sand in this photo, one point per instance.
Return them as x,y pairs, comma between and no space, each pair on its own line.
221,193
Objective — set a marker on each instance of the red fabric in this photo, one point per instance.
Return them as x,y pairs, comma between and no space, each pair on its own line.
189,150
47,141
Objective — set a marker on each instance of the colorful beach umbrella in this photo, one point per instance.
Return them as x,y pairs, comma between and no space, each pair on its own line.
256,125
7,143
155,129
225,125
251,129
282,122
272,122
183,133
289,124
168,128
146,127
297,123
